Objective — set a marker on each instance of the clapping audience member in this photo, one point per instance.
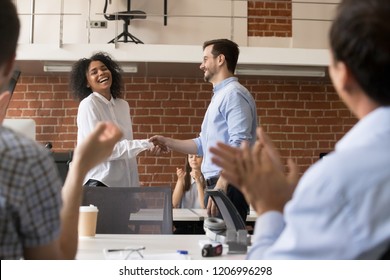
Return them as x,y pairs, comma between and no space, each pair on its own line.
340,207
38,219
190,185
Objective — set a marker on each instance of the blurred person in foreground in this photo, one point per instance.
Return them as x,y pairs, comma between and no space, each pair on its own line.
38,220
340,207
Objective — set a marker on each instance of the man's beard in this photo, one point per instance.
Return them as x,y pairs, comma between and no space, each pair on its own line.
208,77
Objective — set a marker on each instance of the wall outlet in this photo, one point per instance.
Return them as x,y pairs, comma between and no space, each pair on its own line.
97,24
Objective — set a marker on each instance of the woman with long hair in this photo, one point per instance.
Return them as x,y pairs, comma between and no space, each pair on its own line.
97,83
190,185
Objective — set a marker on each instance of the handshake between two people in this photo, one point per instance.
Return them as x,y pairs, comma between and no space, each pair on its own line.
159,145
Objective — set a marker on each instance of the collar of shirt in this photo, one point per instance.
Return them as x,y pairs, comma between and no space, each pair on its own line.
224,83
101,97
374,124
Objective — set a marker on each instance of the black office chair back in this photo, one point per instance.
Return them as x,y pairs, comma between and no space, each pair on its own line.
125,210
228,211
107,16
126,16
62,160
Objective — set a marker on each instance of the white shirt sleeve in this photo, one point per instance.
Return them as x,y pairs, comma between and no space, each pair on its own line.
130,148
91,112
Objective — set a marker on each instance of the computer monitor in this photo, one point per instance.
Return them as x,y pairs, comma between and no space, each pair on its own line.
25,127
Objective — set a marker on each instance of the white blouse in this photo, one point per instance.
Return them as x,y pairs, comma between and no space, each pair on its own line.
120,170
190,198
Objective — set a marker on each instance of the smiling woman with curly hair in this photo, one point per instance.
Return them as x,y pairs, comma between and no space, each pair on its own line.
96,82
79,83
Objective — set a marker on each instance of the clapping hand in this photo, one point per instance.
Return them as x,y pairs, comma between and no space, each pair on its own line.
180,173
257,171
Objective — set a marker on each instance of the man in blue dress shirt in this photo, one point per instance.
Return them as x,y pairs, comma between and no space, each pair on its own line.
340,208
231,118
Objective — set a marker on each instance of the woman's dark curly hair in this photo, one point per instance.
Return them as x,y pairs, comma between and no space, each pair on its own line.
78,79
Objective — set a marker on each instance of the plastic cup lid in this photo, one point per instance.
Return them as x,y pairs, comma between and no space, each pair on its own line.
90,208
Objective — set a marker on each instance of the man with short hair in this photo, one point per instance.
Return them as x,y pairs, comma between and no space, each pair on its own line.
231,118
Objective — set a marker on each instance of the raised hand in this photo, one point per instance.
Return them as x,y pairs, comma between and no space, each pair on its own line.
97,146
180,173
196,174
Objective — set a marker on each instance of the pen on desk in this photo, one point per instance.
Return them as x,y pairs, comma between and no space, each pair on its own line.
117,250
125,249
182,252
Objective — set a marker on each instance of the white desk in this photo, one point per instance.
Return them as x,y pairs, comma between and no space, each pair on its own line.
203,214
178,214
147,215
91,248
191,219
184,214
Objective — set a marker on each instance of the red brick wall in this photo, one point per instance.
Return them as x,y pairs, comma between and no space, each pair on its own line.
270,18
303,116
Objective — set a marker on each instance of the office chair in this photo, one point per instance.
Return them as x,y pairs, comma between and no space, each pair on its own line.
62,160
124,210
126,16
231,230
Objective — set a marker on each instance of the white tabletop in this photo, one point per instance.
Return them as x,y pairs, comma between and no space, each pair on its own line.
184,214
200,212
147,215
178,214
156,246
203,213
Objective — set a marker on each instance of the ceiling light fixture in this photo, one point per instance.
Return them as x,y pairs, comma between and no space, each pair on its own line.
130,68
59,68
293,72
